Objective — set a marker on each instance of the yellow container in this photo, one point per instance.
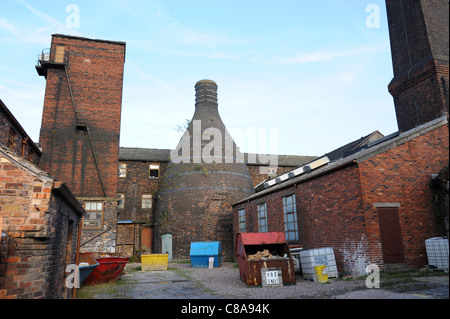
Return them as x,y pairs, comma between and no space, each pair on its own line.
154,262
321,273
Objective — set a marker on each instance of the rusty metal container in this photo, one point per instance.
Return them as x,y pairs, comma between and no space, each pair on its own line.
253,271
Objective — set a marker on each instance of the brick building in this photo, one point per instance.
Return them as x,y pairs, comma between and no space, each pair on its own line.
140,175
350,203
122,188
376,200
13,136
40,220
80,128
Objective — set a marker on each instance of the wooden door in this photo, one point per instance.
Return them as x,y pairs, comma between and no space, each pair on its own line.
391,235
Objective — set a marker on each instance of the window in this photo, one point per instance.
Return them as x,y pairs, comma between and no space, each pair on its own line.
121,198
290,218
146,201
11,139
122,170
242,227
94,215
262,218
154,171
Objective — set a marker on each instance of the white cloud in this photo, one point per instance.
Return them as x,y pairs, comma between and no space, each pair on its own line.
24,34
325,56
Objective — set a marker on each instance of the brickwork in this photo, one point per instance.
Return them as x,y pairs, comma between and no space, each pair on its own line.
403,175
197,192
134,185
13,136
72,132
40,233
80,128
419,33
104,238
338,209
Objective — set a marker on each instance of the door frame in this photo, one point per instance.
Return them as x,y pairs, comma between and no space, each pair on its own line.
392,244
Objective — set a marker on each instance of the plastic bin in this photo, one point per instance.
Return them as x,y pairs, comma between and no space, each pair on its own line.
201,252
154,262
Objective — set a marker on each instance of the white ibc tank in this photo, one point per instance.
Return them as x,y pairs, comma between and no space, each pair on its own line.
437,253
316,257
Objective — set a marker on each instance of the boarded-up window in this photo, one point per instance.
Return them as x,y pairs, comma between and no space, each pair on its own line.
60,54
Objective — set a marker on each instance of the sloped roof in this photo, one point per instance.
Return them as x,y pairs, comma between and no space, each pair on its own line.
163,155
361,154
42,175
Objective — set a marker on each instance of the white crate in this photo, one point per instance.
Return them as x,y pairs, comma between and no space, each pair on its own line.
316,257
437,253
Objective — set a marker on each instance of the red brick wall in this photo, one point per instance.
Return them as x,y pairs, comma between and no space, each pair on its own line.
337,209
329,214
403,175
95,71
41,232
137,183
22,144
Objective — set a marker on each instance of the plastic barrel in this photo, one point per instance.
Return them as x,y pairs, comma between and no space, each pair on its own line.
321,273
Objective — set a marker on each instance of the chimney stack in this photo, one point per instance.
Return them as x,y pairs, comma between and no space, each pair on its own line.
206,92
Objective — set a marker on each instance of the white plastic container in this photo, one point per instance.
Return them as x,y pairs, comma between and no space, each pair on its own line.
315,257
437,253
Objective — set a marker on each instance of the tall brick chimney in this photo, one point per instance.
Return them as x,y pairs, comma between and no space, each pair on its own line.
419,33
205,177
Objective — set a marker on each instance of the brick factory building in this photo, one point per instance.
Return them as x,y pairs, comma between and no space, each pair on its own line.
40,220
143,200
376,200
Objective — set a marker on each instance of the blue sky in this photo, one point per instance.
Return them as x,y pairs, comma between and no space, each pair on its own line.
311,74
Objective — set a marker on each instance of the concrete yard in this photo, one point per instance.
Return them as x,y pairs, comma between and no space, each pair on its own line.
181,281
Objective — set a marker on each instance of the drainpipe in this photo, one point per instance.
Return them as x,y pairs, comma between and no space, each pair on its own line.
77,256
24,143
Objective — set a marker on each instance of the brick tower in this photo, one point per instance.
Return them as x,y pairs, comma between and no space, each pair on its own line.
205,177
80,128
419,32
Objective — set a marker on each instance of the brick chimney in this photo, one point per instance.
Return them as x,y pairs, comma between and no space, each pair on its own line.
419,32
204,178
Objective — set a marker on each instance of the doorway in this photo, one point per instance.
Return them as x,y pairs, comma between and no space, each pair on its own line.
167,245
391,235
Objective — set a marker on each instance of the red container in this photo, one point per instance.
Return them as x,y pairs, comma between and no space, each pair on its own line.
250,270
108,270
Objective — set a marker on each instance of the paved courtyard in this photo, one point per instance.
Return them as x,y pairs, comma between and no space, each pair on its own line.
183,282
